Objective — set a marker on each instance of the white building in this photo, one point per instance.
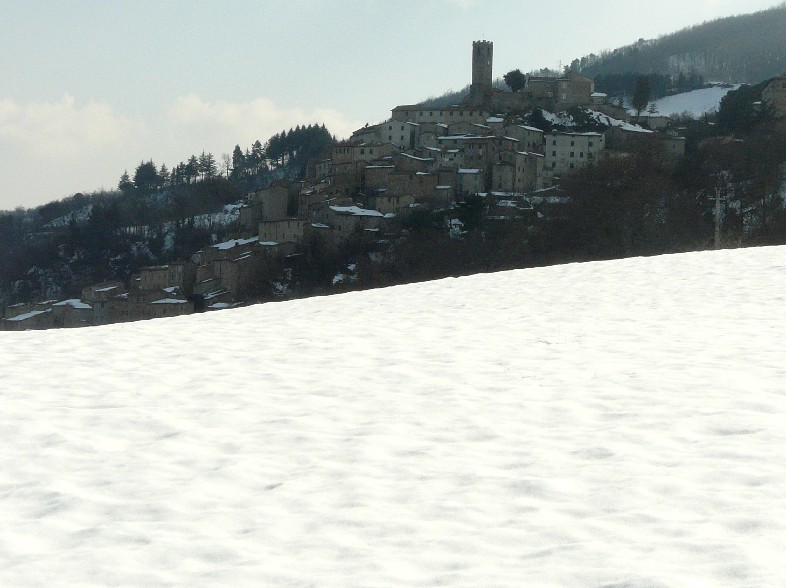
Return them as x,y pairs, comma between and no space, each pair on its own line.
565,152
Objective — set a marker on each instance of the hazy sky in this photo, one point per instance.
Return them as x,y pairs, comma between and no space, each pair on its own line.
89,89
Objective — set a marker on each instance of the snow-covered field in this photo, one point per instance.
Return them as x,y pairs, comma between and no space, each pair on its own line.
604,424
696,102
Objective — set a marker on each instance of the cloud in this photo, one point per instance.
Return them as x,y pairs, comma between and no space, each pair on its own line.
230,123
464,4
64,129
53,149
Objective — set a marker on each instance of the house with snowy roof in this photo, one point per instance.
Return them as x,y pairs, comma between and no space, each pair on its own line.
27,316
348,220
72,313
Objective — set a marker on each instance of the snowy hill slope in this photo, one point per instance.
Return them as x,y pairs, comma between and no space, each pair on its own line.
696,102
615,423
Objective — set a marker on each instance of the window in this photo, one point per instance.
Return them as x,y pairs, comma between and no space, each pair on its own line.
390,127
573,143
554,154
591,143
573,154
554,142
581,154
553,165
571,166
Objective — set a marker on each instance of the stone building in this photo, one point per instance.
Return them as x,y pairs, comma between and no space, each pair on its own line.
24,317
101,297
774,96
451,114
289,230
178,274
72,313
273,203
520,172
573,89
530,138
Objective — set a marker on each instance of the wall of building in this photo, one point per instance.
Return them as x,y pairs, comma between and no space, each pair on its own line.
566,152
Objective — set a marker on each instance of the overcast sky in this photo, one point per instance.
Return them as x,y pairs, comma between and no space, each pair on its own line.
89,89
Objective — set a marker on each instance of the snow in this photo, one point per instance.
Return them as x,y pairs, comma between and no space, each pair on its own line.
562,119
356,211
603,424
697,102
234,243
170,301
74,303
609,121
27,315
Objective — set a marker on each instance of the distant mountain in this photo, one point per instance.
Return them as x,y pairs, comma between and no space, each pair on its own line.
747,48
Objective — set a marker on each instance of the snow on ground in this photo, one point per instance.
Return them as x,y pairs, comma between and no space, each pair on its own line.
696,102
609,121
603,424
563,118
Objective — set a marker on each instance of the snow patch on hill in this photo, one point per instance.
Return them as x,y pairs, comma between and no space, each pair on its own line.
696,103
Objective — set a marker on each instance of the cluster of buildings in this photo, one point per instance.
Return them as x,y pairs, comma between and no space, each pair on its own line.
421,157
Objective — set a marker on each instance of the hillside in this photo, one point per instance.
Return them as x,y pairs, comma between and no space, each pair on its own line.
747,48
604,424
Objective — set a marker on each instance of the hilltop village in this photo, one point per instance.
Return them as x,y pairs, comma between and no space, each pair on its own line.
422,157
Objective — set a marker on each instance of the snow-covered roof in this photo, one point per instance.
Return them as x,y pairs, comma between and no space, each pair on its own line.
415,158
468,170
215,294
533,129
74,303
355,211
27,315
170,301
234,243
495,120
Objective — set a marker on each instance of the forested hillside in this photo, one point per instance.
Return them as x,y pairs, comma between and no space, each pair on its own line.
156,215
747,48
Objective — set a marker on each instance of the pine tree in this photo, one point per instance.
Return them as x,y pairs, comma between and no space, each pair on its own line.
641,96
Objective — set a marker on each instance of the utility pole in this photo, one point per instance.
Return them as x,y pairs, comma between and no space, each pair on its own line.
717,218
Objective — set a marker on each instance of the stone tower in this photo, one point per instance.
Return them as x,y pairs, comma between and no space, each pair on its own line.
482,58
